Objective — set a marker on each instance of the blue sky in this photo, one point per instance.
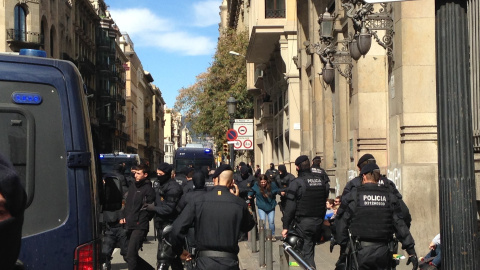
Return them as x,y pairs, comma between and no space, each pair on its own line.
175,40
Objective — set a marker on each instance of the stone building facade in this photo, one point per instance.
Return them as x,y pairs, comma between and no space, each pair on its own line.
83,32
384,103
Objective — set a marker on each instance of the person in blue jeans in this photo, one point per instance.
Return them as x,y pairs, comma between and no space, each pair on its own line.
435,253
265,191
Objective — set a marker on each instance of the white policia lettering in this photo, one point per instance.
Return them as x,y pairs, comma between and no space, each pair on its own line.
373,200
314,182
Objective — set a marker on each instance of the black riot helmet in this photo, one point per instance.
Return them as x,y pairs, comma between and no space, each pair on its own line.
294,240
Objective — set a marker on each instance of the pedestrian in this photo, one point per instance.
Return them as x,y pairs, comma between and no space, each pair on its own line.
115,234
434,256
373,237
137,218
257,171
168,193
219,216
305,208
12,207
283,180
337,201
265,192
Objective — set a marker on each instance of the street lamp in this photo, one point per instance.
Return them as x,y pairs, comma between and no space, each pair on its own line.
236,53
231,108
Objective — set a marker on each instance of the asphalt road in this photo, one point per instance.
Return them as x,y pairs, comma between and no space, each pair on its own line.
248,260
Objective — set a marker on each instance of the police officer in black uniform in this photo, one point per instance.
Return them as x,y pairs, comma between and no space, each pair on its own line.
305,208
208,177
316,161
272,172
371,237
283,180
168,193
357,181
245,181
219,217
181,176
115,232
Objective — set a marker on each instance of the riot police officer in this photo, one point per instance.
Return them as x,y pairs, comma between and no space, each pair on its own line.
305,208
115,233
371,238
283,180
168,193
245,181
218,216
271,172
316,161
357,181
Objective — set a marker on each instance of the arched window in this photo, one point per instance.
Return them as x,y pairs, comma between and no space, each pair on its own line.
20,23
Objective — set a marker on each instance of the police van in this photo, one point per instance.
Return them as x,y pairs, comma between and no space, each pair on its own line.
108,161
196,157
45,131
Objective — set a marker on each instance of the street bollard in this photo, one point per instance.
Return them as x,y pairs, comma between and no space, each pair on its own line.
253,238
261,244
283,258
268,250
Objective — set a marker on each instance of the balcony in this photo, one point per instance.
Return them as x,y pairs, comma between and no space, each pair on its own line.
85,65
106,96
122,135
120,117
107,122
18,39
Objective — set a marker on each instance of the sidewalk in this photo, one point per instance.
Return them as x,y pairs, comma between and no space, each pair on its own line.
323,258
248,260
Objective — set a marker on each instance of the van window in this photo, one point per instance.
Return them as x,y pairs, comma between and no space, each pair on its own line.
37,153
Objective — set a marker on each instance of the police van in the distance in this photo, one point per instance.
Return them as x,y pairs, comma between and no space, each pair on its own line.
45,132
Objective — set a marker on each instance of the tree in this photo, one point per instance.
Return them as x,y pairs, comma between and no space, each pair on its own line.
204,104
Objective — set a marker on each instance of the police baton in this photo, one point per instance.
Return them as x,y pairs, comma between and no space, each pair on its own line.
297,257
354,255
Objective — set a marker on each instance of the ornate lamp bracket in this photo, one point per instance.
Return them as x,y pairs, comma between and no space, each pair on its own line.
363,15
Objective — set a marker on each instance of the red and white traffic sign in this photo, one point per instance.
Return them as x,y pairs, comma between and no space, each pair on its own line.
232,134
242,130
238,144
247,144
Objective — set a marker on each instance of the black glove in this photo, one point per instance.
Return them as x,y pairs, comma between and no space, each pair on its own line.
414,260
332,244
149,207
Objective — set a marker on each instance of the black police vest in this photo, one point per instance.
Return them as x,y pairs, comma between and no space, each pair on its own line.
373,218
313,201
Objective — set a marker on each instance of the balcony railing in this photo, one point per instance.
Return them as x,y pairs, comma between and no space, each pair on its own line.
24,36
274,13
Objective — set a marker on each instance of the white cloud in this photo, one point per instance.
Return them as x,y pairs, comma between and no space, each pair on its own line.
149,30
206,13
139,21
182,42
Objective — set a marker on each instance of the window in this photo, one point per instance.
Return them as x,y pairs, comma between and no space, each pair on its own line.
20,23
274,8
